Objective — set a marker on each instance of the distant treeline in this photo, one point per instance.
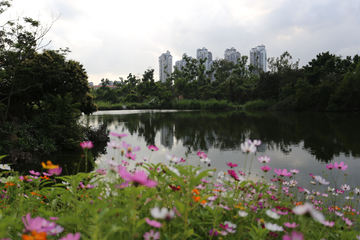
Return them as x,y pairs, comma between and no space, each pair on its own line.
327,83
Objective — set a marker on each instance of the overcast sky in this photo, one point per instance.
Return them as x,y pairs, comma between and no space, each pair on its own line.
114,38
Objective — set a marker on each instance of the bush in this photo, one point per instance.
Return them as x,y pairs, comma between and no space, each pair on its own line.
259,104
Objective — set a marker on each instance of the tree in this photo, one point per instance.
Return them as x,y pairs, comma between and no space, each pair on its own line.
49,73
347,95
19,41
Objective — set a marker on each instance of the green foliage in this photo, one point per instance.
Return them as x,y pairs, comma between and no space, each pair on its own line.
347,95
258,104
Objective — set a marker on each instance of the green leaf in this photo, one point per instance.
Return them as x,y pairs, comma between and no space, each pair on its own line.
180,206
188,233
139,223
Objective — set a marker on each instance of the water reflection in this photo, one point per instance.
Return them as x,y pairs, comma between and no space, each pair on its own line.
303,141
323,135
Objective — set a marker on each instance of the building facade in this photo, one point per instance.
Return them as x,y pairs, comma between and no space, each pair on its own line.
165,66
258,57
181,63
231,55
202,54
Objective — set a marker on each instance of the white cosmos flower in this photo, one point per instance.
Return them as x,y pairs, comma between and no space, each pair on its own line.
174,170
162,213
272,214
5,167
248,147
321,180
221,175
172,158
308,208
243,213
273,227
205,160
345,187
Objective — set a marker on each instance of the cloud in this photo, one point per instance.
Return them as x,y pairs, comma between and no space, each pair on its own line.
117,38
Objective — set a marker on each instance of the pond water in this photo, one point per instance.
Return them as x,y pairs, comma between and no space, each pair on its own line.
293,140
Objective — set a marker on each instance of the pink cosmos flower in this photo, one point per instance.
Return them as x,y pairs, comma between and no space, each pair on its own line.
55,171
279,211
232,164
153,148
86,145
153,223
121,135
213,232
294,171
71,236
114,145
341,166
201,154
139,177
151,235
241,173
255,142
330,166
291,225
129,148
38,224
328,224
101,171
233,174
282,173
22,178
130,155
265,168
294,236
264,159
228,226
34,173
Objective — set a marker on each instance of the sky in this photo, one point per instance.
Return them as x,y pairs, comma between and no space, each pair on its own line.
114,38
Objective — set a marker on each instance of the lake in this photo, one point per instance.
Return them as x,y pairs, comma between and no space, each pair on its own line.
293,140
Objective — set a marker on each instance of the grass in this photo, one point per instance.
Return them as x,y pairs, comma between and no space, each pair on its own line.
176,104
259,104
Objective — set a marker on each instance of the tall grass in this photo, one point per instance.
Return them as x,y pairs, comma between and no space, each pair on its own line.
259,104
193,104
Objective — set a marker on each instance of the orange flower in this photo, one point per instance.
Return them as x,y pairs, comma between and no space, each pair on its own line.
196,198
49,165
45,177
35,236
298,203
34,193
239,206
9,184
196,191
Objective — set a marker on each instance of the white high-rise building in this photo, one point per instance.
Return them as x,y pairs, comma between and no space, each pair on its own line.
231,55
181,63
202,54
258,57
165,66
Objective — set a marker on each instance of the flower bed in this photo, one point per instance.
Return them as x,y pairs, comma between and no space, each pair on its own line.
175,201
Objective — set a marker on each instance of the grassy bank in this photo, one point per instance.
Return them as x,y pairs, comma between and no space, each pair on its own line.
182,104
